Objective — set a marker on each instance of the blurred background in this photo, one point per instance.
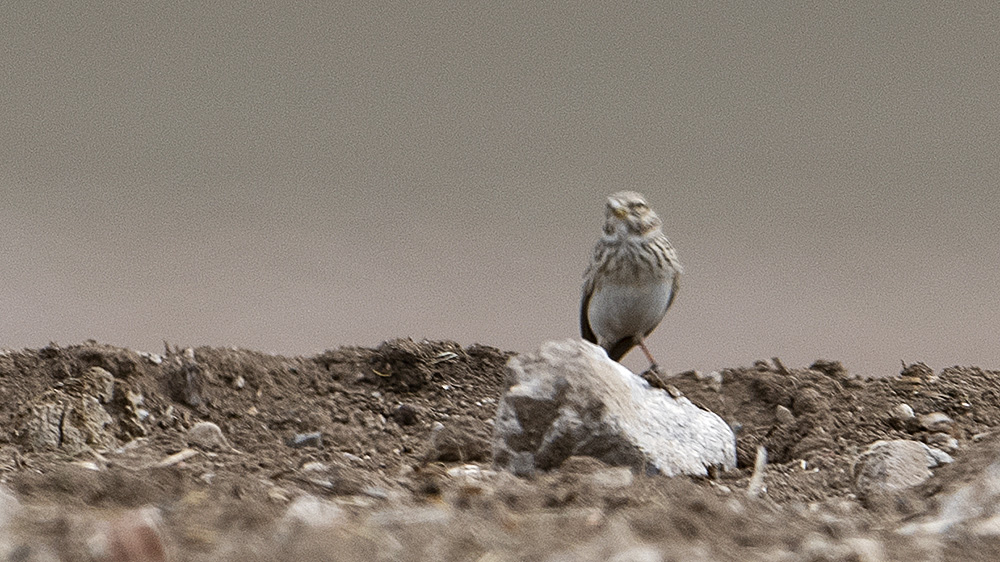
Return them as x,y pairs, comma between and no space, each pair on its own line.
297,176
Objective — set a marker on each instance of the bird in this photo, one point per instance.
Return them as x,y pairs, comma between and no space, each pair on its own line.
632,279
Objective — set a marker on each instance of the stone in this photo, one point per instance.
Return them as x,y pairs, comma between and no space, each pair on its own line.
942,441
893,466
568,398
207,436
903,412
56,420
936,422
405,414
311,512
783,415
313,439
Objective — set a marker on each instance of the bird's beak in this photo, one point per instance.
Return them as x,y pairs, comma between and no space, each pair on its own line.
618,210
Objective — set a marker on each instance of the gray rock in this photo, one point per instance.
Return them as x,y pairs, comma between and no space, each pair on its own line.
935,422
942,441
207,436
73,424
892,466
313,439
569,399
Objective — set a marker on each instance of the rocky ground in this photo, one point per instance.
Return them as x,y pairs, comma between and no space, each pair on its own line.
385,454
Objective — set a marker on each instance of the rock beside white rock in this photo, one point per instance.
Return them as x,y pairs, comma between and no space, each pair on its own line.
893,466
569,399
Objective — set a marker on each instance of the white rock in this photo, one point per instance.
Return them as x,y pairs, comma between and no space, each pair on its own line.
569,398
903,412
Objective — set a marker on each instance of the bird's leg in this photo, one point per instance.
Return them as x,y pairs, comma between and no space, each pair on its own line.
652,362
652,374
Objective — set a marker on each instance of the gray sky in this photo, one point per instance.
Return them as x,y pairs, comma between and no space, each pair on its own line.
295,177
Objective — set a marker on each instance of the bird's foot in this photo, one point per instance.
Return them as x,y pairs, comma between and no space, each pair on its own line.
654,377
657,379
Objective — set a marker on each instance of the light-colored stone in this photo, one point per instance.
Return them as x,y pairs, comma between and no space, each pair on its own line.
312,512
943,442
936,422
784,415
903,412
611,478
569,398
891,466
207,436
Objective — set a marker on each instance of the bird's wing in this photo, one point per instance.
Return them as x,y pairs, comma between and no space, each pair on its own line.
585,331
676,286
621,347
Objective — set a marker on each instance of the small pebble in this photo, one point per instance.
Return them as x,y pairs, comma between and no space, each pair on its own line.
314,439
404,414
784,415
376,492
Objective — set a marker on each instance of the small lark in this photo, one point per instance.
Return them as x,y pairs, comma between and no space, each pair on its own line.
632,278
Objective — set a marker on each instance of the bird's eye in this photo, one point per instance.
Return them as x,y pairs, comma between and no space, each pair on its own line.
638,206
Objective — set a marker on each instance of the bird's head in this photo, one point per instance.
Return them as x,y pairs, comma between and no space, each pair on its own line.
628,214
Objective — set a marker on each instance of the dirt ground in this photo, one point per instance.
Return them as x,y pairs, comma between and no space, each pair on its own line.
395,443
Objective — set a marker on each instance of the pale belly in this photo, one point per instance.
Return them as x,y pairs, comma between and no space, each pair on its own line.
618,311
